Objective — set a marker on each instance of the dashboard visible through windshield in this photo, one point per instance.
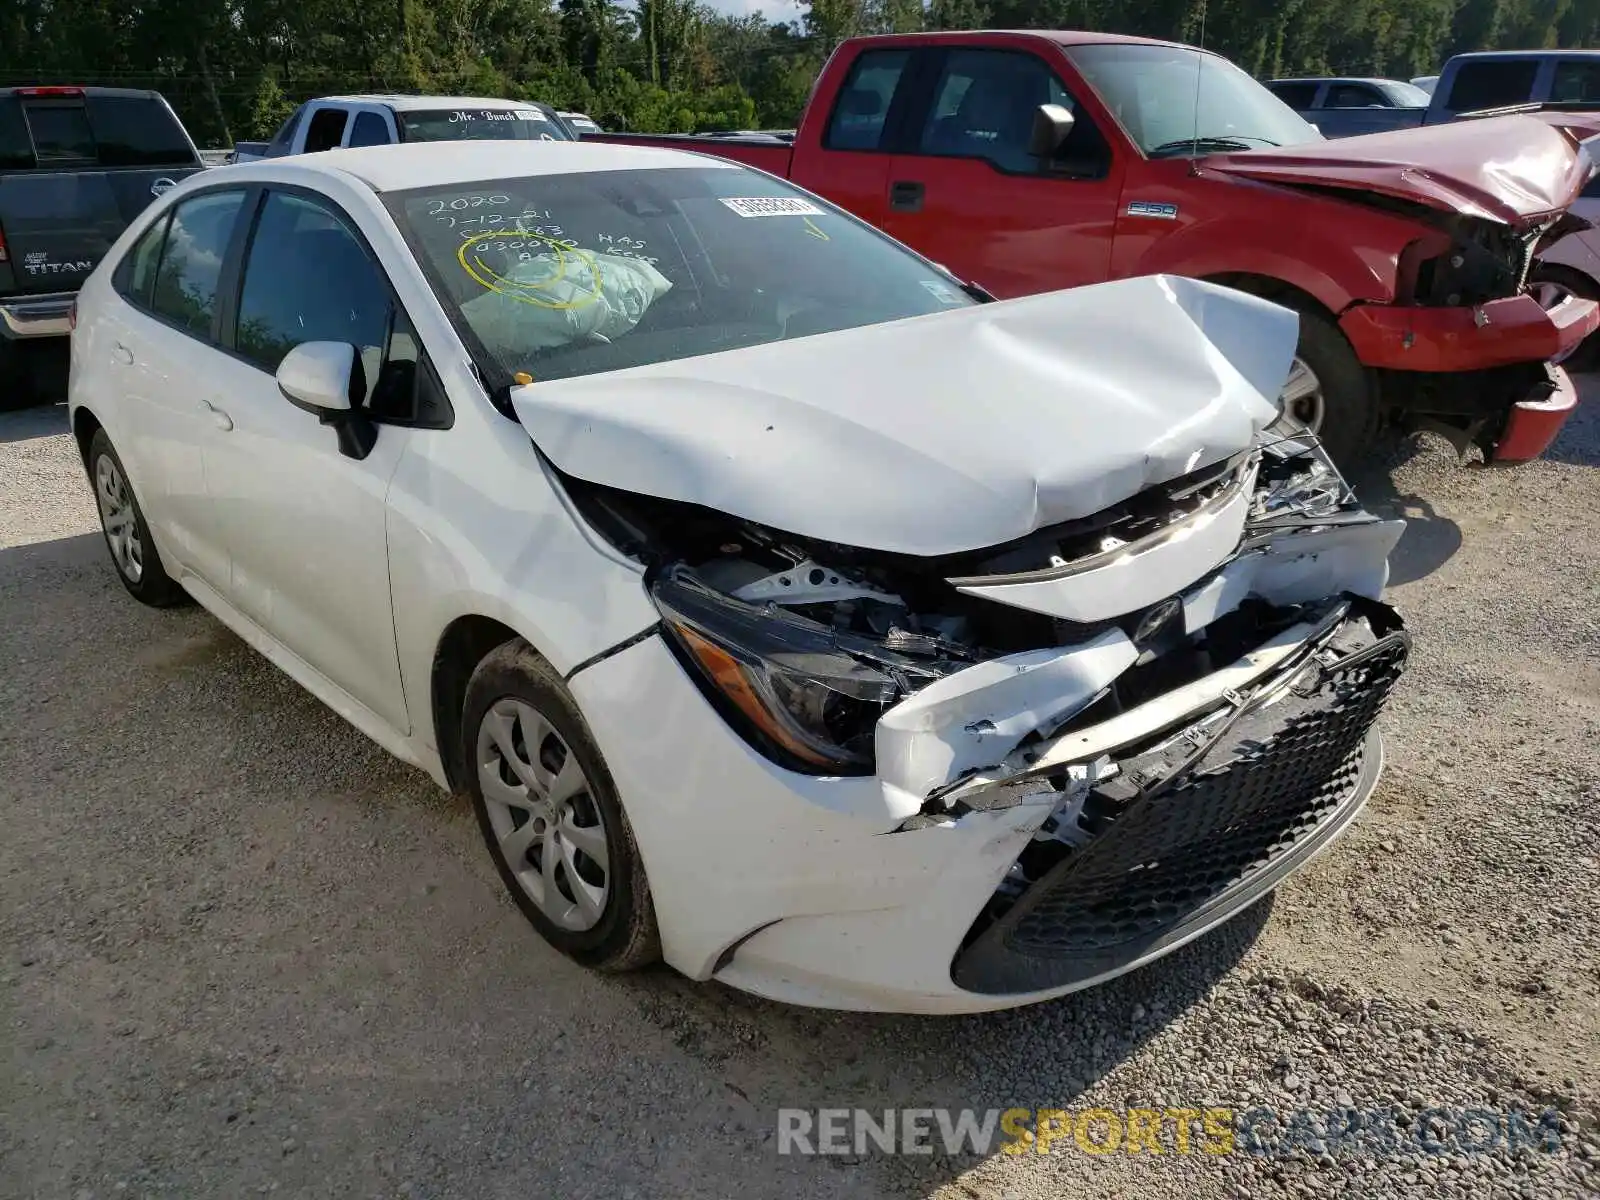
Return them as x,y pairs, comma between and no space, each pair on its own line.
571,274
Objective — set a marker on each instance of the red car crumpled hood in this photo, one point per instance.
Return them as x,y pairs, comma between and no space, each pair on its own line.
1516,170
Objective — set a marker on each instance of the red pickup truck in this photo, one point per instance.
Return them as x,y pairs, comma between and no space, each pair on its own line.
1026,162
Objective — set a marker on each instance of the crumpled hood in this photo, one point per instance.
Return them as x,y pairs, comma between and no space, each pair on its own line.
951,432
1515,170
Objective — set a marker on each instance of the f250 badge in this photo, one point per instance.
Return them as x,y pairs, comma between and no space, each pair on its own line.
1152,208
160,187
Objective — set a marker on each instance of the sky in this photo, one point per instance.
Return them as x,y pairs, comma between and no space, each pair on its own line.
773,10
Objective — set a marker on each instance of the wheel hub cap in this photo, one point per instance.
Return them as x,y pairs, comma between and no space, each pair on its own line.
545,820
1302,401
118,520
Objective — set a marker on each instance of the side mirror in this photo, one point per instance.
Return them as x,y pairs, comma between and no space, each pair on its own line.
1051,125
327,380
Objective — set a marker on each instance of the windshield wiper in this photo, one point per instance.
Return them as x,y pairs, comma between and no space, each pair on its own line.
1206,145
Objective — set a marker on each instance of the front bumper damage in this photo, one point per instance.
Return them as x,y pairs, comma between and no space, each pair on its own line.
1047,819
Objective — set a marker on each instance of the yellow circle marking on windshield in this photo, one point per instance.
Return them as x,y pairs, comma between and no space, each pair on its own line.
512,290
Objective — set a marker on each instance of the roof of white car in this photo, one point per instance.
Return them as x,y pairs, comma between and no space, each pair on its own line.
434,164
410,103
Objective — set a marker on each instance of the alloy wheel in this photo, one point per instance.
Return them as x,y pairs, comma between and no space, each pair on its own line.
1303,405
118,518
545,821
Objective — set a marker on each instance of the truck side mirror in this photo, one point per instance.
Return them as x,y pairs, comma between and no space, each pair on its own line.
1051,125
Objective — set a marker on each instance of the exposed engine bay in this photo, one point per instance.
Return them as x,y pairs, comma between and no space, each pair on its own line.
805,646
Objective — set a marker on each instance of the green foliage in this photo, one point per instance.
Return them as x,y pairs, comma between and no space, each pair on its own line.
237,67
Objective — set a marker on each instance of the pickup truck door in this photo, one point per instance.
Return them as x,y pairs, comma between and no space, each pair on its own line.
967,193
865,122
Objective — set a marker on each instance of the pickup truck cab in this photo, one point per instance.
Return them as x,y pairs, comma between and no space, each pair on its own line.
1404,254
334,122
77,164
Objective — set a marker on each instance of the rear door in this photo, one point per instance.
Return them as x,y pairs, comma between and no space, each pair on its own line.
970,196
75,170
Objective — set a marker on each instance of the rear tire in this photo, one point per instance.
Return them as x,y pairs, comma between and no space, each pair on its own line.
133,550
550,814
18,388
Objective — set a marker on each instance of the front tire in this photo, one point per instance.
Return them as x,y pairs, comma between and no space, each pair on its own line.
550,815
127,534
1330,393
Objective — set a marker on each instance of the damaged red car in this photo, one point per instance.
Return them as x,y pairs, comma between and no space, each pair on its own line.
1028,162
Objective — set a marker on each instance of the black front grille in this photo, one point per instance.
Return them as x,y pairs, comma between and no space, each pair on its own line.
1279,777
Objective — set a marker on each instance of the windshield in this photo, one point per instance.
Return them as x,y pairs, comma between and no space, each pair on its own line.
525,124
562,275
1405,95
1152,91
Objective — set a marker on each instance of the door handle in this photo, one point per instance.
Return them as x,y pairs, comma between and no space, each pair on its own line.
122,354
905,195
223,420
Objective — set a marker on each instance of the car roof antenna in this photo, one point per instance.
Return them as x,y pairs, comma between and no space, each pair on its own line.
1199,65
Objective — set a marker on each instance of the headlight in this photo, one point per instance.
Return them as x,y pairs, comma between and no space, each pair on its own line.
810,693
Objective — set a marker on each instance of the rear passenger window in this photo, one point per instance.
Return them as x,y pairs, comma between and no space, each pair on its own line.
191,261
1493,84
136,274
326,130
862,108
369,130
60,132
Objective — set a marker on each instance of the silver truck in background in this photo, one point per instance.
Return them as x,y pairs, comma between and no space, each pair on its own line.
1469,85
332,122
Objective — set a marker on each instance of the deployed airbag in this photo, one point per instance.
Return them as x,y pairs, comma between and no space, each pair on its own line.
556,299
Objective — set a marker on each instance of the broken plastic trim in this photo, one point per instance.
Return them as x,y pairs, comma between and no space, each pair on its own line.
1245,685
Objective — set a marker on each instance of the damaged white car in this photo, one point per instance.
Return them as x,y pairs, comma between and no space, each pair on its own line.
789,611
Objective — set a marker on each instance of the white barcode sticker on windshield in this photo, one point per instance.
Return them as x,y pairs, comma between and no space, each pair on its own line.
529,114
771,206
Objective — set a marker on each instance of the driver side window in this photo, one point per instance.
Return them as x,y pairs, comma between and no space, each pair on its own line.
983,107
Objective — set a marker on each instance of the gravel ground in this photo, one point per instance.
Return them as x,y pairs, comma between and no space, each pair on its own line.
242,951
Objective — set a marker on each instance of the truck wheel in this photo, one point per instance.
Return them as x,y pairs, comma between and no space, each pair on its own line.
1564,279
1330,393
17,387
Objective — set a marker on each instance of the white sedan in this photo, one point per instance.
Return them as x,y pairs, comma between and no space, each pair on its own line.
789,610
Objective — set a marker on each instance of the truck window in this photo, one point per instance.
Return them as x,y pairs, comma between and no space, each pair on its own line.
326,130
1353,95
862,108
16,151
983,107
369,130
1295,95
137,131
60,132
525,123
284,138
1576,82
1492,83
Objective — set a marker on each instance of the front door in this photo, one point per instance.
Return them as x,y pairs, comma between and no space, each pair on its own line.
971,197
305,526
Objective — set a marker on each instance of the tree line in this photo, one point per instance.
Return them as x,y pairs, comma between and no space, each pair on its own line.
235,68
